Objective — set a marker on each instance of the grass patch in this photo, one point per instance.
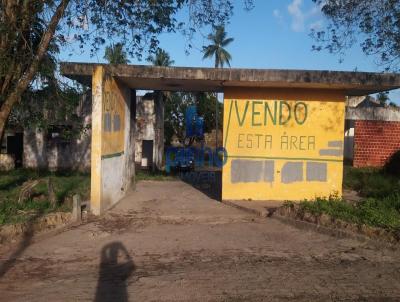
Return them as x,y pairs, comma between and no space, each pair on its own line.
66,184
383,213
149,175
370,182
379,206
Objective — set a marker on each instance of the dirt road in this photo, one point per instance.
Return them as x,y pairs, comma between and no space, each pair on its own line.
169,242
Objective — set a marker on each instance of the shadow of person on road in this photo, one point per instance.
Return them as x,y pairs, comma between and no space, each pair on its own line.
116,266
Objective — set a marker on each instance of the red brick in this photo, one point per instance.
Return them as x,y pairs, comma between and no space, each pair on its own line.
375,142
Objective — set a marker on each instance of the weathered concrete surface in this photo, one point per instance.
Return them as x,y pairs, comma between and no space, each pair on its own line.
112,153
169,242
215,79
42,152
7,162
388,114
145,121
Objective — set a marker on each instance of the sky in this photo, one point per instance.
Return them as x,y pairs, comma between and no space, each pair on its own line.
274,34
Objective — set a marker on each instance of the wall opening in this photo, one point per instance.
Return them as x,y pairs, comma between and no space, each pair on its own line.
147,154
15,146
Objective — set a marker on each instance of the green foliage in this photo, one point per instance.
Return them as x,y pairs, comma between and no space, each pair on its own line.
157,176
175,109
138,23
383,98
32,32
375,24
47,101
332,206
12,212
66,184
380,206
370,182
174,116
115,54
55,104
217,49
21,30
384,212
161,58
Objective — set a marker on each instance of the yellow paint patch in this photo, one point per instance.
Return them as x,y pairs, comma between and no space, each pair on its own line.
113,118
95,178
283,144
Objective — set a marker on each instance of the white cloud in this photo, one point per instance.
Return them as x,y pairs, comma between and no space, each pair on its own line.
300,17
297,14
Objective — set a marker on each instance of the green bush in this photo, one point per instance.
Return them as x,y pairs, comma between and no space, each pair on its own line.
384,212
370,182
156,176
66,184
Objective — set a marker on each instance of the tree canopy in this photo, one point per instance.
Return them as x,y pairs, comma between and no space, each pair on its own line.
175,109
161,58
115,54
30,29
382,98
375,24
216,49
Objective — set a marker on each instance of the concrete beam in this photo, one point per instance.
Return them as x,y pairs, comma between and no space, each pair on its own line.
217,79
373,114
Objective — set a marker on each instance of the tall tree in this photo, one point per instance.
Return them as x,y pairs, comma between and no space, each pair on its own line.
115,54
383,98
29,27
160,58
375,24
217,49
176,107
221,56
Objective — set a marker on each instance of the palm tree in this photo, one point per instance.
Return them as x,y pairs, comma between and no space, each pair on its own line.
161,58
115,54
217,47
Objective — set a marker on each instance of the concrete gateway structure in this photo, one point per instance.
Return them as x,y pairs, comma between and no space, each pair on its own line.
283,129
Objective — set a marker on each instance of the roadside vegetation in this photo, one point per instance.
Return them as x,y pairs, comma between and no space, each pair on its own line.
157,176
379,205
65,186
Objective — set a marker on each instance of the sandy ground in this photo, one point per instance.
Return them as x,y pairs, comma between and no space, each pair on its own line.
169,242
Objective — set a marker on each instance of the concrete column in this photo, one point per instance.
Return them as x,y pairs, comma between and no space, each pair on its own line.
158,147
112,156
97,117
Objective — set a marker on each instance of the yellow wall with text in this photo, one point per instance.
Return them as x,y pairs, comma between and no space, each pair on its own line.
113,118
274,157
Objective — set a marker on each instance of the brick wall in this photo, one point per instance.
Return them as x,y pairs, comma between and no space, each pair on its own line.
375,142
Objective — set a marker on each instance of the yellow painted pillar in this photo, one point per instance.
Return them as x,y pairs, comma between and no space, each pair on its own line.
96,147
112,156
